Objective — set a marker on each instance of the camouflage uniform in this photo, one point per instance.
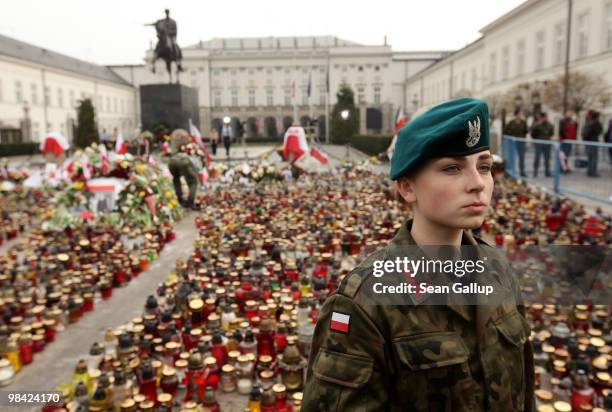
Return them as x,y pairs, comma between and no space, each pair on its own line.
421,357
181,165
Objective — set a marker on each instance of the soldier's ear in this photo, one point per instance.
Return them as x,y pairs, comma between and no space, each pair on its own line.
405,188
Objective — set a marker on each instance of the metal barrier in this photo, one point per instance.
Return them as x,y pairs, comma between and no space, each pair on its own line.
575,167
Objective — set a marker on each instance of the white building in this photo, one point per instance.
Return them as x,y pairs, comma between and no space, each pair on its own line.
258,80
525,46
40,90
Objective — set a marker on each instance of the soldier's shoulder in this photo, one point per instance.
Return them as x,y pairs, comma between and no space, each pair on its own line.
352,282
481,241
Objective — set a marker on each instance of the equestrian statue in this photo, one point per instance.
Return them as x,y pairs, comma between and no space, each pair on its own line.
167,49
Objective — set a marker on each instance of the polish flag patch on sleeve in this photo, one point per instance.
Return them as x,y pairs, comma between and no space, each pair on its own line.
340,322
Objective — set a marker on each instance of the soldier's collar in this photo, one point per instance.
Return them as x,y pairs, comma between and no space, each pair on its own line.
403,236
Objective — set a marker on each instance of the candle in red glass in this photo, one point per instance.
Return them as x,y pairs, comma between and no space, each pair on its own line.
169,381
265,339
250,309
38,343
280,339
49,330
88,302
194,377
218,350
148,382
280,401
211,372
26,351
106,291
582,393
197,316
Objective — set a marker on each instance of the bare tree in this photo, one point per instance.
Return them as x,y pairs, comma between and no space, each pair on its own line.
585,91
497,102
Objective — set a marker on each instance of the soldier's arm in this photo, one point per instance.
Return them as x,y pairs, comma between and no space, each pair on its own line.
346,369
529,366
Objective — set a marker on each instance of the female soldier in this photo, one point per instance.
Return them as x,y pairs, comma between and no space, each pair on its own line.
423,356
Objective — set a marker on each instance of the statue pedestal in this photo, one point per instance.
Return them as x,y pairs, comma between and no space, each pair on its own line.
172,104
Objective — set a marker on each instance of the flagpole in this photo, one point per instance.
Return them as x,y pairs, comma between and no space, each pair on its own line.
327,101
310,109
295,111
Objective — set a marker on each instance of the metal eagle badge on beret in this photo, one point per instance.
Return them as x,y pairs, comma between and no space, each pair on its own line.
474,132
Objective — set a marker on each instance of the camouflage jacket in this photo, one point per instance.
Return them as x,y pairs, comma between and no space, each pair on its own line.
420,357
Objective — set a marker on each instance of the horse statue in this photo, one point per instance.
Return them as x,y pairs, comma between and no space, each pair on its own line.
167,49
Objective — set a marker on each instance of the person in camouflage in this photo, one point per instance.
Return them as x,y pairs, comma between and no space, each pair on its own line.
542,130
181,165
517,127
369,354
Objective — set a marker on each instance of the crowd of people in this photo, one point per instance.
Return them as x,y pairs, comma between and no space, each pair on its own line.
567,133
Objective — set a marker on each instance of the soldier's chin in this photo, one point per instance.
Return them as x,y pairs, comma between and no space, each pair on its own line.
472,222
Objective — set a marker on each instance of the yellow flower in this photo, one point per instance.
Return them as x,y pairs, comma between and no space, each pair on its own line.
78,185
140,168
168,194
141,194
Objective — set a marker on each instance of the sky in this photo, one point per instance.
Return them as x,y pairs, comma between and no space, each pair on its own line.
113,32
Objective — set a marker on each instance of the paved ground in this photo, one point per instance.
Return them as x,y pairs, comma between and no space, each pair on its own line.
56,363
577,183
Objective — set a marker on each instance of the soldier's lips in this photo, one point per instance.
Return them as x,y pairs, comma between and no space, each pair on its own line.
475,207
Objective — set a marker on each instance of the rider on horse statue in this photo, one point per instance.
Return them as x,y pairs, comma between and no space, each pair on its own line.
167,48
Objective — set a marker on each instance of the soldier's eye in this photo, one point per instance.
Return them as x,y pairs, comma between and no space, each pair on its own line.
451,169
485,168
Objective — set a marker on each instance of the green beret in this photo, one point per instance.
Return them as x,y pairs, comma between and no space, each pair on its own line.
455,128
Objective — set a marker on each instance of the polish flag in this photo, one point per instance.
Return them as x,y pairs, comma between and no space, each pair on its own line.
120,145
400,121
340,322
197,136
104,163
294,144
54,143
319,155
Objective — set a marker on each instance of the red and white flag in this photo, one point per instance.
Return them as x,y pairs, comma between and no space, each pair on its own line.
197,136
400,121
54,143
294,143
120,145
340,322
104,162
319,155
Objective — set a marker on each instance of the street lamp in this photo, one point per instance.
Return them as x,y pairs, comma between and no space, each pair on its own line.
345,114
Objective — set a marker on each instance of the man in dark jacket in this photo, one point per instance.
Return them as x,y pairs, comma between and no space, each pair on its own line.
568,130
542,130
591,132
517,127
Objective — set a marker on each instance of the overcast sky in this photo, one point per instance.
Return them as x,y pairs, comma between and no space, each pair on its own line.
112,32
